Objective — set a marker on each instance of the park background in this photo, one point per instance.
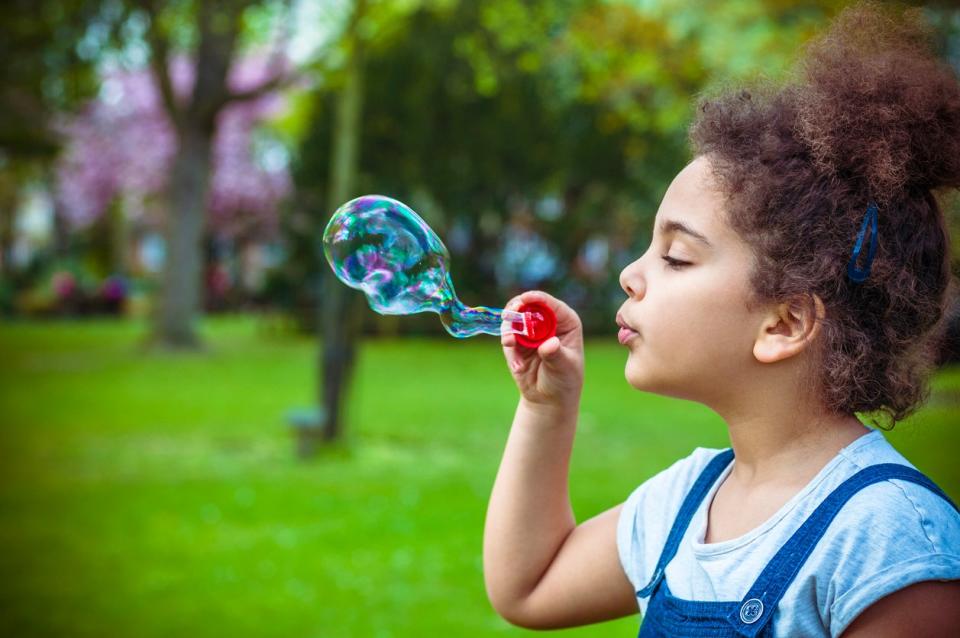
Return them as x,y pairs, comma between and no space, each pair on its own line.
201,430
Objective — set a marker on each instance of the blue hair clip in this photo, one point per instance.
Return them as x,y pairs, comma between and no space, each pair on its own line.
860,275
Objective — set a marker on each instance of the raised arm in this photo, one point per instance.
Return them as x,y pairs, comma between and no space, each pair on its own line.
542,570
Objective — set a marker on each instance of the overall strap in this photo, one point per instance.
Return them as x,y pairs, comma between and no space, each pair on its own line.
756,608
690,504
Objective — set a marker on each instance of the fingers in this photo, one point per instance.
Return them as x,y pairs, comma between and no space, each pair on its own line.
507,339
517,359
549,348
515,303
567,318
567,321
515,356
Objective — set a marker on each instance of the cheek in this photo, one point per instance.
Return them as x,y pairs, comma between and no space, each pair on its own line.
717,332
691,336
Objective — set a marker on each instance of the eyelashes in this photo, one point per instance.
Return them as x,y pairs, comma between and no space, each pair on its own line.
674,264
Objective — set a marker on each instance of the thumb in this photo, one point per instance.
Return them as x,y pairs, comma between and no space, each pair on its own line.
549,349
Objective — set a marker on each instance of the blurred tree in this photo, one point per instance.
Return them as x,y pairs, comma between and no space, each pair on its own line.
122,144
457,112
215,27
49,55
8,201
567,120
51,51
340,305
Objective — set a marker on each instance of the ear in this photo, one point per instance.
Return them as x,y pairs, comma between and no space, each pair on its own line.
789,328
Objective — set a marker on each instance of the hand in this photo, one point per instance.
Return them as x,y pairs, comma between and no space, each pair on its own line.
552,375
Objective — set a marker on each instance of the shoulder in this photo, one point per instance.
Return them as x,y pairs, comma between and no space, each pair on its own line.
895,511
674,482
888,537
682,473
649,511
892,508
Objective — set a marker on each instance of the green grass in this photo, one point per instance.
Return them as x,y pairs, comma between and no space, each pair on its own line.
150,494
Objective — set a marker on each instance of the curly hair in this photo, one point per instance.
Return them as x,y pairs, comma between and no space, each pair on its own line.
870,114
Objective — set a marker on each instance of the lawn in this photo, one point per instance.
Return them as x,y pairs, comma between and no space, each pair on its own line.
152,494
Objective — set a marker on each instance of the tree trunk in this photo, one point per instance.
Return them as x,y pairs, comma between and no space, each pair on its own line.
181,292
10,182
340,310
195,120
7,210
119,240
340,306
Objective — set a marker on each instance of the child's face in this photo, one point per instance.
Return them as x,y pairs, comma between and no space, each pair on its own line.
696,335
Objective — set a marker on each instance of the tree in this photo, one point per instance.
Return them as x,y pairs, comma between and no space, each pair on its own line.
339,306
49,66
122,145
195,119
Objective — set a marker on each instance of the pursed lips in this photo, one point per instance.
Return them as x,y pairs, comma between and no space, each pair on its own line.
623,324
626,331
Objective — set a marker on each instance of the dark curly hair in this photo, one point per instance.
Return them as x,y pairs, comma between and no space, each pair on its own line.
868,114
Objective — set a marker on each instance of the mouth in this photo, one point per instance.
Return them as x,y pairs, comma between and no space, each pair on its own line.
626,332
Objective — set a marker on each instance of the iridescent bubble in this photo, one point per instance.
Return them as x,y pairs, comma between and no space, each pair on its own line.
382,247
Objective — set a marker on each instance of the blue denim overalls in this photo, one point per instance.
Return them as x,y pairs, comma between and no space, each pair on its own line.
672,617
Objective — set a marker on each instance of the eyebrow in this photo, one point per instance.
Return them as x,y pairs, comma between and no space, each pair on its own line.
671,226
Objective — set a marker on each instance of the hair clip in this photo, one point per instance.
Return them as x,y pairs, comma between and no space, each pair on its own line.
860,275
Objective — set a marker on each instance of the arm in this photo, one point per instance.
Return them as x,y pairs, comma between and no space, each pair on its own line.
929,609
541,569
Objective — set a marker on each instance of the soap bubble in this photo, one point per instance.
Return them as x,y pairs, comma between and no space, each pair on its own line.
381,246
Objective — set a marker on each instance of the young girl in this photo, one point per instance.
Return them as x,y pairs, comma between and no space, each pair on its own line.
798,274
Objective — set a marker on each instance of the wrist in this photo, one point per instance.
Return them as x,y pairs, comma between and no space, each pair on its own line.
551,410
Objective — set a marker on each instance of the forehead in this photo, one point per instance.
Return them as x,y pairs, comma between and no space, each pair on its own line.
694,202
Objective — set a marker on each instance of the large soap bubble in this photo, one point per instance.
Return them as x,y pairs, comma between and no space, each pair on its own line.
382,247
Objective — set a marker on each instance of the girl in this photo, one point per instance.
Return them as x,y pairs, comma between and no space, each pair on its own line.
798,274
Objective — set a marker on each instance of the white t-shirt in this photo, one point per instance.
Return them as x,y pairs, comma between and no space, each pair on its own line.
887,536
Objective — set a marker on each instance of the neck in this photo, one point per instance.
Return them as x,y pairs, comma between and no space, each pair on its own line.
779,431
786,444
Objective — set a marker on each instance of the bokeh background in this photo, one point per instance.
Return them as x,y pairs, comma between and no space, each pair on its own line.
201,430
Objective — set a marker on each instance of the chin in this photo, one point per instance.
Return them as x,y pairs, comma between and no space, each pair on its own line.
643,382
637,379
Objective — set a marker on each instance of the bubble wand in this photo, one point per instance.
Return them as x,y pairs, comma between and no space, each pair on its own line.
382,247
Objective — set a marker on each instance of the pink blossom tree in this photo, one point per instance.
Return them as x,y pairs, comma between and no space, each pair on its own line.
122,145
126,145
195,108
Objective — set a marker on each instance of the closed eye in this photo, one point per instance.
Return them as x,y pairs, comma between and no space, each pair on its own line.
674,264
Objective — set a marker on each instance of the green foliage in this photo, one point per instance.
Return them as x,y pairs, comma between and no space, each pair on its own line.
291,126
264,21
740,39
158,494
476,112
49,51
484,108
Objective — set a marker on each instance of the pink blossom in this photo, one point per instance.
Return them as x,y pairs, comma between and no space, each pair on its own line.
122,144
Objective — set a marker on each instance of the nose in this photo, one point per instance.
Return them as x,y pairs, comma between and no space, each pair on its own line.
632,281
